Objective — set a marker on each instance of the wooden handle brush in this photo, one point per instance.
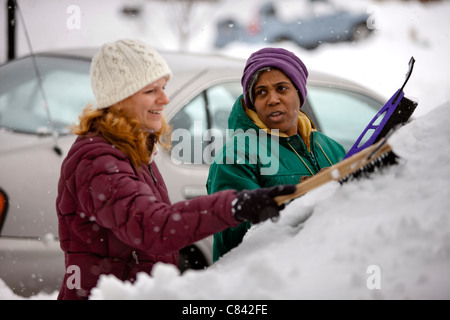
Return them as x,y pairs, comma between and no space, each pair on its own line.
359,165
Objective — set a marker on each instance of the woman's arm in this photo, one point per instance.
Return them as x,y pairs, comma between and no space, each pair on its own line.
117,199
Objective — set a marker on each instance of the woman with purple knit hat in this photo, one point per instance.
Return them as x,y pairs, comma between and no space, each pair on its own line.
274,90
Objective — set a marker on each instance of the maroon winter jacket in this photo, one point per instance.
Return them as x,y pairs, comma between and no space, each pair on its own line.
116,219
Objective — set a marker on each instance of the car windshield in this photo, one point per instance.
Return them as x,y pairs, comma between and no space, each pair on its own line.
66,85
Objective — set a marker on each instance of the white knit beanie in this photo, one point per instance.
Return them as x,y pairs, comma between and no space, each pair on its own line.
122,68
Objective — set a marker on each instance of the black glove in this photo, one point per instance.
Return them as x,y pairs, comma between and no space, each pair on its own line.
258,205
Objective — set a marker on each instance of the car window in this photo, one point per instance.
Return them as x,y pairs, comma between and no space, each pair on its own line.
199,128
67,89
342,114
221,99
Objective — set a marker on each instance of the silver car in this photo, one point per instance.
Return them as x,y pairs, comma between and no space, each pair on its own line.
34,139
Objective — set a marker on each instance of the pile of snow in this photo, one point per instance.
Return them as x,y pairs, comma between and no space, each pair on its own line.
387,237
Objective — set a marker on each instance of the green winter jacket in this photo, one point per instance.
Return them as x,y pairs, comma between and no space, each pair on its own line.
254,158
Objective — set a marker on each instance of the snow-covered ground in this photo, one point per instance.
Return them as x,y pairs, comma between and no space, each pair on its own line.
383,238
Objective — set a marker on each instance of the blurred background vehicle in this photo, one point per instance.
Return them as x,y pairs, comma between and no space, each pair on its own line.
331,25
34,140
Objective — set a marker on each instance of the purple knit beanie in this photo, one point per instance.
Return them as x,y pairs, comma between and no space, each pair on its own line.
278,58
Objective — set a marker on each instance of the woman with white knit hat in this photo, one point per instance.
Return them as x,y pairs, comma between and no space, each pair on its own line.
114,212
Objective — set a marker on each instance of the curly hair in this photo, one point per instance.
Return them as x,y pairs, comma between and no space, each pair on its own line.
124,132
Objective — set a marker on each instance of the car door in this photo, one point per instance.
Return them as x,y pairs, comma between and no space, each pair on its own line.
30,159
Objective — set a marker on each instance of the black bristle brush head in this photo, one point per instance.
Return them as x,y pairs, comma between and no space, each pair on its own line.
376,165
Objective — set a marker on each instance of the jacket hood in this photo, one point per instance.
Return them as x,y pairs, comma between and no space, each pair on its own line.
243,118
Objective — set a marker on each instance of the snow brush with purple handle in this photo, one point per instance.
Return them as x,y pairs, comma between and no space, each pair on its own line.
373,155
360,165
395,112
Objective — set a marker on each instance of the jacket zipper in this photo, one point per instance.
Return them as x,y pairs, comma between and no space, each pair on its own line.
303,161
312,157
135,256
151,172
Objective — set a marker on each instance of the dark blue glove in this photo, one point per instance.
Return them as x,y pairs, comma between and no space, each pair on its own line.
258,205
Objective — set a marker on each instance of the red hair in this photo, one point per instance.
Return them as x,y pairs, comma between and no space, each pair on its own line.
124,132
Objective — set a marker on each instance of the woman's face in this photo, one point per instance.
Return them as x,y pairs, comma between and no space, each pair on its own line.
147,104
277,102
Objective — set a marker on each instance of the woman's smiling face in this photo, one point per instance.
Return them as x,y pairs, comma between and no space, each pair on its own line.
147,104
277,102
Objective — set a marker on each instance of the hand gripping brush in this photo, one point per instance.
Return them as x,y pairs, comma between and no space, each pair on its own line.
371,156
